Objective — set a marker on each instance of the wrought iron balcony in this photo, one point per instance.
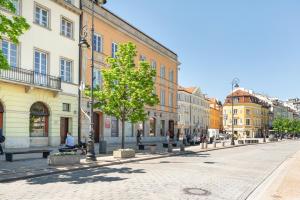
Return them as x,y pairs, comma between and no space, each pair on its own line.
31,78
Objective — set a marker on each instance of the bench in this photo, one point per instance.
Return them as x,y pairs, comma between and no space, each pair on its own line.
142,146
9,154
166,145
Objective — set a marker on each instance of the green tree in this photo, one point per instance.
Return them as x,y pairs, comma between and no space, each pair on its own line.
10,27
126,89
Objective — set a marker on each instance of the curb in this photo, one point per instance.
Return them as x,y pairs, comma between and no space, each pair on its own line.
95,165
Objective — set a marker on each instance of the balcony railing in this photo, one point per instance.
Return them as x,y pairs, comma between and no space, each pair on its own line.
30,77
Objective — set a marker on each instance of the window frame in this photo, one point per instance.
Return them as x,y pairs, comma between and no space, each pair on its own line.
72,27
101,42
42,7
71,69
9,52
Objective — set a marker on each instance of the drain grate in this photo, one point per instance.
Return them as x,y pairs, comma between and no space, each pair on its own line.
196,191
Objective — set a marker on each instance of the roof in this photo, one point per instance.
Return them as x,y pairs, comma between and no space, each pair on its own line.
190,90
240,93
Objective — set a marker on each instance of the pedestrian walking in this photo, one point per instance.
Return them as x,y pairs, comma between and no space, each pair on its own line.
138,137
2,140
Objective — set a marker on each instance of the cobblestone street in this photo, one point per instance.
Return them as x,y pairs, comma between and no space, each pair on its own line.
222,174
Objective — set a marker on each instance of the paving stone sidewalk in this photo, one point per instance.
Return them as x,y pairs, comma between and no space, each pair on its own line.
283,184
32,165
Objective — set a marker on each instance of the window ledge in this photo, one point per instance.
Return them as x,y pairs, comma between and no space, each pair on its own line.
45,27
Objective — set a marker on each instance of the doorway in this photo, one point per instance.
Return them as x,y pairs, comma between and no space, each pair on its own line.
171,128
64,129
96,127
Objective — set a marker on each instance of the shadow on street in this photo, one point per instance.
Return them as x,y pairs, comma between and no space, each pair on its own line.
103,174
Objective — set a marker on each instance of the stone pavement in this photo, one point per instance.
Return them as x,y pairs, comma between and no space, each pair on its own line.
283,184
229,174
31,165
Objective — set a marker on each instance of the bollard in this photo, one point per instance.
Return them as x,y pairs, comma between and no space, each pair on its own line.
202,145
223,144
181,147
205,145
170,148
215,144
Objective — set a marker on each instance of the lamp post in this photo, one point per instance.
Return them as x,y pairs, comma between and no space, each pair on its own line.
84,44
235,83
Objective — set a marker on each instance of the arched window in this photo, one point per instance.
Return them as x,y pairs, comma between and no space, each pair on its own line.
39,115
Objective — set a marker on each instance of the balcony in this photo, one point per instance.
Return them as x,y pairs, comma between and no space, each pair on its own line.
30,78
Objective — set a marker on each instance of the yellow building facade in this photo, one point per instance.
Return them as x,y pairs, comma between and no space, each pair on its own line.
215,114
110,31
250,115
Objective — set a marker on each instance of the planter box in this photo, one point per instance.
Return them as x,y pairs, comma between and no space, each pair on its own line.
152,149
124,153
63,159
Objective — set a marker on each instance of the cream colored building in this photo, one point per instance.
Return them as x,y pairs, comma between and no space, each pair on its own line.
38,95
193,111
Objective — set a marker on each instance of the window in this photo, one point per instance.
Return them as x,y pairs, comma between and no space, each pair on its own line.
153,64
10,52
66,28
38,123
162,97
235,99
142,58
114,49
41,16
241,121
97,40
17,6
97,78
171,75
248,122
66,107
114,127
70,1
171,100
40,67
128,129
247,111
235,111
66,70
235,121
162,71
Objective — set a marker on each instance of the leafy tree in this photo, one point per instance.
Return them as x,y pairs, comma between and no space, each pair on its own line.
126,89
10,27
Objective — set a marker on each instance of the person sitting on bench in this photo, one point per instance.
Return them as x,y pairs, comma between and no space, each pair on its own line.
70,143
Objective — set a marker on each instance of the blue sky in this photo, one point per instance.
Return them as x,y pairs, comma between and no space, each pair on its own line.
257,41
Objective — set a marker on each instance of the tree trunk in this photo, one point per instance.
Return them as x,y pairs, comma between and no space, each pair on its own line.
123,134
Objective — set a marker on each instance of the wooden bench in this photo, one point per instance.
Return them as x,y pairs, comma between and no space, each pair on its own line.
9,154
142,146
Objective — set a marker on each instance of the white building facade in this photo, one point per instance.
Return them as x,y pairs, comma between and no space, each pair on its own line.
193,111
38,94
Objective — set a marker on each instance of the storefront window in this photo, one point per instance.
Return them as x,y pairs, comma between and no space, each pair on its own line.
114,127
38,120
152,126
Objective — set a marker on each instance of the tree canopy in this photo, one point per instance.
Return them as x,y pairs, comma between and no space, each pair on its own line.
126,89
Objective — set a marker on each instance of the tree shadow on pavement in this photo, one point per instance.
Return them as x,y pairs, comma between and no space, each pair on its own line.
104,174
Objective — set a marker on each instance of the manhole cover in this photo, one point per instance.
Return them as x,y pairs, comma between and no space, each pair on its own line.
196,191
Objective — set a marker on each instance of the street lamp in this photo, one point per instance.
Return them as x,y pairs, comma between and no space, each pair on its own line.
234,84
90,156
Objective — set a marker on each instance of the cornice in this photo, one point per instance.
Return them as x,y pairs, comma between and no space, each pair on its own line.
68,6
